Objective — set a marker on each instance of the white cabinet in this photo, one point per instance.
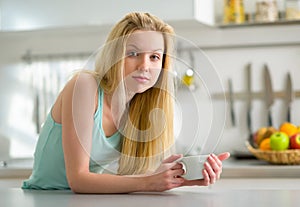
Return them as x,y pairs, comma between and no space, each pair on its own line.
35,14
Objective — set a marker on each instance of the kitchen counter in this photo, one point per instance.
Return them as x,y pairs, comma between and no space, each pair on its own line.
16,168
232,168
226,192
253,168
240,185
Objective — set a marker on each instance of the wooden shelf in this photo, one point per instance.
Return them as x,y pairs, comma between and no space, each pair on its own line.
252,24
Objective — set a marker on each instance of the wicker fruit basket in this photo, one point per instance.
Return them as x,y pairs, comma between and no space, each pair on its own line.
285,157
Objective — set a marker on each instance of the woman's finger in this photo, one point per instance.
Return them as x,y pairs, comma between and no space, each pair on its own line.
224,156
177,165
177,180
206,178
217,160
211,172
172,158
177,173
216,166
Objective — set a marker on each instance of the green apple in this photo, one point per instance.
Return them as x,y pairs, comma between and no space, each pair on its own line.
279,141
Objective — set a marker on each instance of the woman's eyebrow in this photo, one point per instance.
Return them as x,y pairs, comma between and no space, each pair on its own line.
138,49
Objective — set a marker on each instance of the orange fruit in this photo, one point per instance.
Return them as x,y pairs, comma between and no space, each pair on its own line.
288,128
265,144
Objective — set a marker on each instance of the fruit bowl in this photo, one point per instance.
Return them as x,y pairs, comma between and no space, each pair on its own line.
284,157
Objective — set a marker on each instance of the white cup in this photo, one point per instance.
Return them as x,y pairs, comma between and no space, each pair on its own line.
193,166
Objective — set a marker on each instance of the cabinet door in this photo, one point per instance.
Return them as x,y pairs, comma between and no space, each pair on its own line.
35,14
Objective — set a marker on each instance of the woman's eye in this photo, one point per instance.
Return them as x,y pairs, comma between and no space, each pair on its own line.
132,53
155,57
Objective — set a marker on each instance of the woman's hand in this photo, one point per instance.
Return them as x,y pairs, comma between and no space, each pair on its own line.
211,172
167,176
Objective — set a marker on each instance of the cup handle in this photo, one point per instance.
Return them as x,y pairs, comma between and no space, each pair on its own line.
183,167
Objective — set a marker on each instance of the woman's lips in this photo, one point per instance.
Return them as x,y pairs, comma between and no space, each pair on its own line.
141,79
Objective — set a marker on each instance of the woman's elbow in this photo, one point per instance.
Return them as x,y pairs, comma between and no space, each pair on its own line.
76,184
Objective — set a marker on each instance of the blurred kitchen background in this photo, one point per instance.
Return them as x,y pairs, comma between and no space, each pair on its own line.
43,42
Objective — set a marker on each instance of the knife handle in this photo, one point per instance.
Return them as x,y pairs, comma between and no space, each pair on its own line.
270,122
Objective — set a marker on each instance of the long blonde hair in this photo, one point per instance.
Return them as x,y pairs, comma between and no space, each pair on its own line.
150,111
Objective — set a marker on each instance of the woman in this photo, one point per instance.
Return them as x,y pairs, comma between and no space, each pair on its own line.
120,112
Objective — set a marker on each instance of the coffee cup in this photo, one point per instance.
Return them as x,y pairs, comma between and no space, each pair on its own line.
193,166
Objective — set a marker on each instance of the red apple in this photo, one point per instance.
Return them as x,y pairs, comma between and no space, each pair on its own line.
295,141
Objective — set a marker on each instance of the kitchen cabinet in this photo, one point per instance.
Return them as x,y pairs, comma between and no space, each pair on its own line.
34,14
198,18
217,35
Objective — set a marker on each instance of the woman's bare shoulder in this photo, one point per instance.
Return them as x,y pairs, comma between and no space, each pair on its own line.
81,80
81,83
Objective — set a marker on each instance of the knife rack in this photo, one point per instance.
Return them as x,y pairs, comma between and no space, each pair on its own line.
254,95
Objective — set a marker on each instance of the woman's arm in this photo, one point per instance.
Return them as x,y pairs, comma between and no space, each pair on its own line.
78,108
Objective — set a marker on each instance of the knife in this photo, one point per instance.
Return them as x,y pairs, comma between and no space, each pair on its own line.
269,95
232,114
290,96
249,97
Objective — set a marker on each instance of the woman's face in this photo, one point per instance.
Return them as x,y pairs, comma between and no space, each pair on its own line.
143,61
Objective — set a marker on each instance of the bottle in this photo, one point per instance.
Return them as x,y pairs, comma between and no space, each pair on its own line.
266,11
188,78
234,11
292,9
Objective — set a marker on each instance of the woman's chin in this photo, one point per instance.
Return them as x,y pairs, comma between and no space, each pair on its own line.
139,89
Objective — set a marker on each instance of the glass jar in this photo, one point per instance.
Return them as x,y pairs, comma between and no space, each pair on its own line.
292,9
188,77
266,11
234,11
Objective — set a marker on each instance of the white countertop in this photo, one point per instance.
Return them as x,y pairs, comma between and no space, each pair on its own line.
227,192
247,183
16,168
253,168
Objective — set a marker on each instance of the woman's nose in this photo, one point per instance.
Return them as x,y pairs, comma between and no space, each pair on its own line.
143,62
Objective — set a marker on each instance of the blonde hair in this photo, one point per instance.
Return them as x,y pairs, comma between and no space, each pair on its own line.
150,111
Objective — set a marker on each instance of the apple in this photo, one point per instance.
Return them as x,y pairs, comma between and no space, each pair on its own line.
279,141
295,141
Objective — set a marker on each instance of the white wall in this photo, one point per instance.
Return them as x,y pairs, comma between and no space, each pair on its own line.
229,63
229,49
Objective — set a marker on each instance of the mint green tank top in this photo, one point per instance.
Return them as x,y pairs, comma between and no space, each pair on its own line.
49,166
